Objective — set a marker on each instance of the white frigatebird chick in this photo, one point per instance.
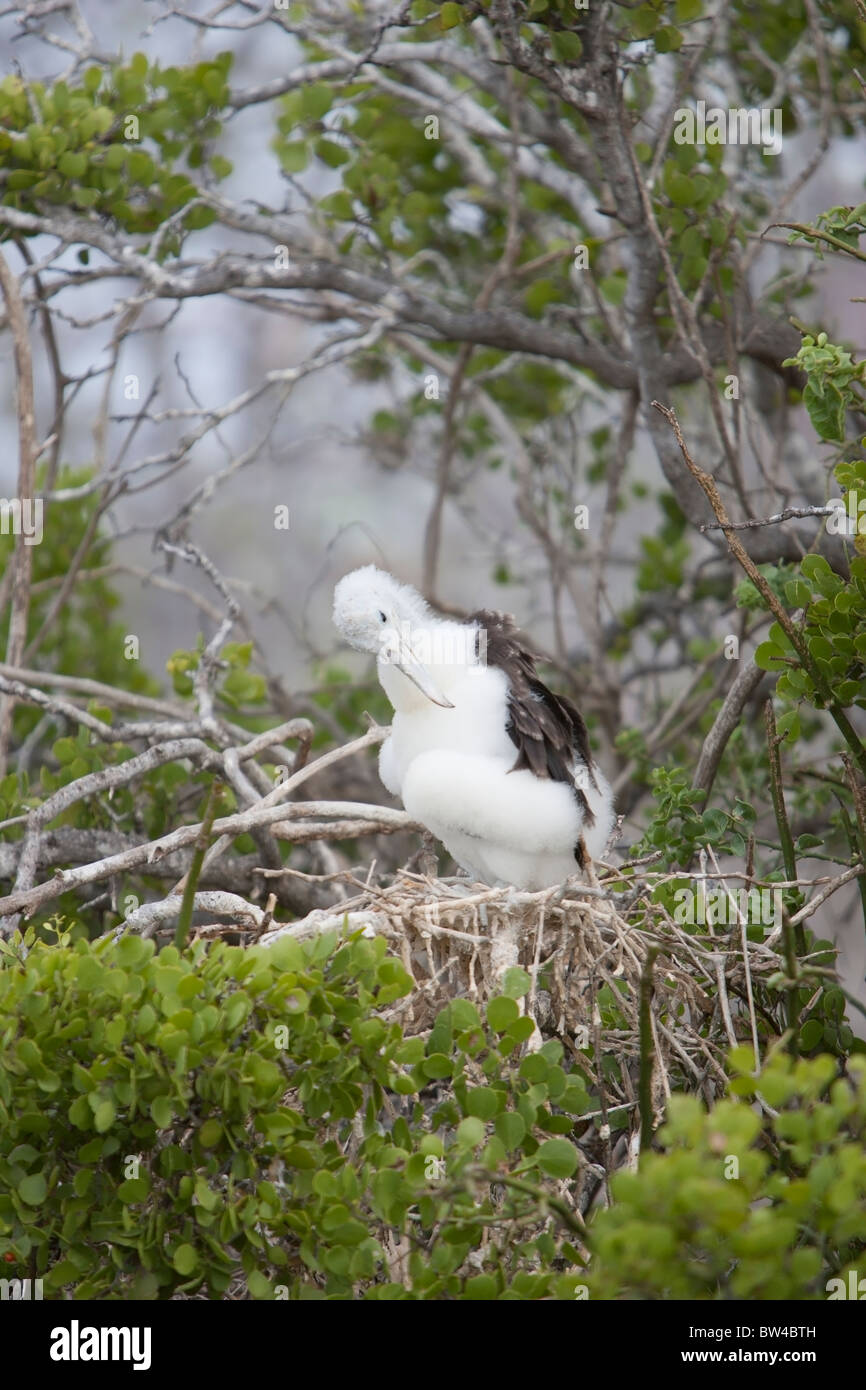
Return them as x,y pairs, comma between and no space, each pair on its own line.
494,764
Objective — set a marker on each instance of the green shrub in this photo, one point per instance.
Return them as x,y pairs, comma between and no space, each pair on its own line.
142,1113
173,1122
747,1201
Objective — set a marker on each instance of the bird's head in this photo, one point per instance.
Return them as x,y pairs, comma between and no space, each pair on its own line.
375,613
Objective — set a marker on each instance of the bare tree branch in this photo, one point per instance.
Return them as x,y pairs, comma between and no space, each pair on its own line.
23,554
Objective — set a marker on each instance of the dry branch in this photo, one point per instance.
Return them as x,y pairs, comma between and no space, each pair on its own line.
22,560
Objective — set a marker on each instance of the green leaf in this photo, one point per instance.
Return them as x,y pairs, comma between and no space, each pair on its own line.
483,1102
826,409
463,1014
104,1115
236,1011
500,1012
83,1181
811,1034
742,1058
846,692
645,22
114,157
815,568
680,188
521,1029
470,1132
481,1286
450,15
161,1112
769,657
33,1189
668,39
788,725
804,842
141,167
331,153
185,1259
557,1157
510,1128
294,156
797,593
65,749
258,1285
315,100
297,1001
437,1066
516,982
575,1098
566,46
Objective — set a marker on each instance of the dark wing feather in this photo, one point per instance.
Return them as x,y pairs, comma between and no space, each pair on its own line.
546,729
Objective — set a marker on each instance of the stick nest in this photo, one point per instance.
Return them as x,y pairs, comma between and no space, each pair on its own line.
587,966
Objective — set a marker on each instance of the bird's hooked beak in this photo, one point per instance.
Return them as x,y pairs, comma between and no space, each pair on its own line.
398,653
418,674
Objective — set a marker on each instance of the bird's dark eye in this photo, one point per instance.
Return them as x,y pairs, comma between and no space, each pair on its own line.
382,618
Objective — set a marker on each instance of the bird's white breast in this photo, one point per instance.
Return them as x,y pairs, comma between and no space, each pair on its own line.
475,725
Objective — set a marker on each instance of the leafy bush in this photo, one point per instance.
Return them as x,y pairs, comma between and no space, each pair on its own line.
745,1202
678,829
173,1121
142,1106
169,1120
78,145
